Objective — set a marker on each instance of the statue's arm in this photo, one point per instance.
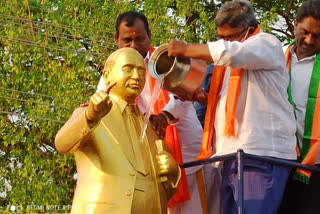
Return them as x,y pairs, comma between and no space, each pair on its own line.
77,129
74,133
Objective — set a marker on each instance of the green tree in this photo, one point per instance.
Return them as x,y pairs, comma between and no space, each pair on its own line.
51,52
277,16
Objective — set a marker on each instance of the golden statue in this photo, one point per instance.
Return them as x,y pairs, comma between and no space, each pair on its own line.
116,172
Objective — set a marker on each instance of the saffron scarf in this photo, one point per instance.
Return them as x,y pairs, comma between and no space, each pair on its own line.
307,153
172,140
231,104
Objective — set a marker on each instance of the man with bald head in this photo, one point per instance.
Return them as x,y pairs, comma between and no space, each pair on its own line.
117,173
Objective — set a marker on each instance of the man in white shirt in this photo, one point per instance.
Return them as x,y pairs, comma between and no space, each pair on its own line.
303,61
132,31
247,108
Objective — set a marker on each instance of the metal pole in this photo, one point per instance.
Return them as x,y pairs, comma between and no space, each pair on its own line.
209,160
240,157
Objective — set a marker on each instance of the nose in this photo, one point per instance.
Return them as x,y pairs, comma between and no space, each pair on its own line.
135,73
308,39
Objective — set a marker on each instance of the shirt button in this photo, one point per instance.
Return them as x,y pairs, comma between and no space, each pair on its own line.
128,193
84,131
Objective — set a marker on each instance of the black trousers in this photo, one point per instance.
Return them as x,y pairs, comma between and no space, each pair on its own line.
300,198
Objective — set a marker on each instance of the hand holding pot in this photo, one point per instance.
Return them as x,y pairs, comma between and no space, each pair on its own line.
199,95
176,48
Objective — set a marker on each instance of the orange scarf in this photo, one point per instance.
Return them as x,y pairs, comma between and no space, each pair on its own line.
231,104
172,141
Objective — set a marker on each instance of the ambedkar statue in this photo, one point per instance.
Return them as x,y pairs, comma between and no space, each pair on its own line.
117,173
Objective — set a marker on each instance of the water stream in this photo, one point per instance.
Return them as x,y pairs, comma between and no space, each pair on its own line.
155,94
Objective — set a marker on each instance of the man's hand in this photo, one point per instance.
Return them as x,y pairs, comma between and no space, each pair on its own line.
182,49
176,48
99,105
160,122
199,95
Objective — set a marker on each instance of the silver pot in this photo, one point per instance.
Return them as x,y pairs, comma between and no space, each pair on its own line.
181,75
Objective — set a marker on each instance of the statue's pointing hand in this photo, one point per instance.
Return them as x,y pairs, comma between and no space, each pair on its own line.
99,105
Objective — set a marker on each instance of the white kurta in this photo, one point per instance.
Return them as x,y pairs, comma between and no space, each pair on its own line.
189,129
301,71
264,123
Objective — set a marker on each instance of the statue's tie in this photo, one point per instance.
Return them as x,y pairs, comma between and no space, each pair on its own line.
139,150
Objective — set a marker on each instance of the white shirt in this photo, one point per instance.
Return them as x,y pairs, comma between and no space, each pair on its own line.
301,71
264,123
188,127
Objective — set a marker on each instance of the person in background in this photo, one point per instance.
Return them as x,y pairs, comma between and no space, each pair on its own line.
303,63
201,109
132,30
247,107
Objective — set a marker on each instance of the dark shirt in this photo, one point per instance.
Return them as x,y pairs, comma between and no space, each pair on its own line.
201,109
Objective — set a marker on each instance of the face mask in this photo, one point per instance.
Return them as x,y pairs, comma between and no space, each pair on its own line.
245,36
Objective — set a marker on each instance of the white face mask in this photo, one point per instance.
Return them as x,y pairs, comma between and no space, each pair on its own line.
245,36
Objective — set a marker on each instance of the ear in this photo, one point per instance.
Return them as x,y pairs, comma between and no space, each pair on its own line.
251,30
106,77
295,24
116,38
149,34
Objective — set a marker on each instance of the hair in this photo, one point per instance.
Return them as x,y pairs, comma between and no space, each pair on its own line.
130,17
309,8
112,59
236,14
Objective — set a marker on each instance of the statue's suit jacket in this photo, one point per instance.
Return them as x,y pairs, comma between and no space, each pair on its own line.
106,164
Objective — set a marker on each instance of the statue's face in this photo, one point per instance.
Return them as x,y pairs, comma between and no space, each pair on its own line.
129,74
